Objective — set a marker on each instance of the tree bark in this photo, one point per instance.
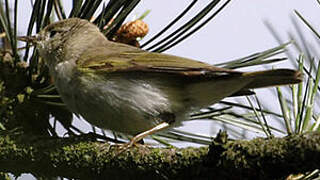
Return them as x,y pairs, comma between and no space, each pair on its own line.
78,157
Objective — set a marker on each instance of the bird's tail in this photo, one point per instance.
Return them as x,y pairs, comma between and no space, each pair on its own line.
274,77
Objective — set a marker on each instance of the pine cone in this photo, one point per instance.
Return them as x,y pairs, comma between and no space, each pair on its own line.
132,30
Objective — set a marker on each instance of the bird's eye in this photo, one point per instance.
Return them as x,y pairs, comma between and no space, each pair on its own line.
53,33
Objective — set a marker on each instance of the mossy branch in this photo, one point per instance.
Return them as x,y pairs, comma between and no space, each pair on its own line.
76,157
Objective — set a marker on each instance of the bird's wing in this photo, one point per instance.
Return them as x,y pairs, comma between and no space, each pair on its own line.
135,60
142,61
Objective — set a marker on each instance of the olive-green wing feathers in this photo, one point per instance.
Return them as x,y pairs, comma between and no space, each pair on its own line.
135,60
144,61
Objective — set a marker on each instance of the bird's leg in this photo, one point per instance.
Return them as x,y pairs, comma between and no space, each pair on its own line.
169,119
142,135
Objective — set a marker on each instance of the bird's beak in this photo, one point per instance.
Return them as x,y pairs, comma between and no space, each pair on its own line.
29,39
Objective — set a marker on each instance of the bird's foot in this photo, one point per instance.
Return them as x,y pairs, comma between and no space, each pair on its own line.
126,146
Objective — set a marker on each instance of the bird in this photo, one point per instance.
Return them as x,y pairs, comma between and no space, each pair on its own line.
126,89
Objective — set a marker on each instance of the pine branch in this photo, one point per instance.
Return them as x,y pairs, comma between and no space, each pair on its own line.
77,157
